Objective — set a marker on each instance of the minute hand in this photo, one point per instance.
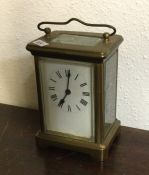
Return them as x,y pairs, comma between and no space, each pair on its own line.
68,78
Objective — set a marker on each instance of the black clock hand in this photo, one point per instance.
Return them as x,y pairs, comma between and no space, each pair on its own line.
62,101
67,91
68,78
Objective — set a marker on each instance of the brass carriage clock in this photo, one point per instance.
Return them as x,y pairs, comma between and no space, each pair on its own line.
76,76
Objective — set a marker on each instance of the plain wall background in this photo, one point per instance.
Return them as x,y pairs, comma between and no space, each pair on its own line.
131,18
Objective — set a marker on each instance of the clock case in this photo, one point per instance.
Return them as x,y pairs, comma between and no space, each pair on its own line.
98,54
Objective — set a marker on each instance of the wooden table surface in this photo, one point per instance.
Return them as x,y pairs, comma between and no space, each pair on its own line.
19,154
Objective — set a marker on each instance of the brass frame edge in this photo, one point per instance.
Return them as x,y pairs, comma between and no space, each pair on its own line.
98,151
106,145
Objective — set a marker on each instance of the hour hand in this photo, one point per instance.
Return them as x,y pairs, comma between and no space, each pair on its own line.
61,102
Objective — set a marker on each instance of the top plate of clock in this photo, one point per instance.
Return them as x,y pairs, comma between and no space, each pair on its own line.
85,44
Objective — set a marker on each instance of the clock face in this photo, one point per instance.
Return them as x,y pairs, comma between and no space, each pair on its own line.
67,97
69,90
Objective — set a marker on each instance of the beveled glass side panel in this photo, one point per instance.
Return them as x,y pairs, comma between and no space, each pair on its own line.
76,40
110,86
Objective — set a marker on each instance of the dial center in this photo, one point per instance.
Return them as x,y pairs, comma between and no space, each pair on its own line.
68,92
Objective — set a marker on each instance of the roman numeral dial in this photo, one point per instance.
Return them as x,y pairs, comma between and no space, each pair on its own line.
69,90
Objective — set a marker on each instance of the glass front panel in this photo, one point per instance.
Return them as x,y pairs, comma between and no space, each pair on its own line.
77,40
67,97
110,85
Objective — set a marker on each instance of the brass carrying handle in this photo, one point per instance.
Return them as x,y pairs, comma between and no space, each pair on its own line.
48,30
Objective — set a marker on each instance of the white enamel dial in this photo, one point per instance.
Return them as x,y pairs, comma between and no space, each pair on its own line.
67,93
69,90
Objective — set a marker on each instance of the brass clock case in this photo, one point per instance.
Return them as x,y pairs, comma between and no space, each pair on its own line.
95,48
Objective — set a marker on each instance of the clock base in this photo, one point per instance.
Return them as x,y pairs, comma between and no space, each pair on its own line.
99,152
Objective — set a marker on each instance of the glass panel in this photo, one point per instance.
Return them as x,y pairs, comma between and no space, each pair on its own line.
77,40
110,91
75,116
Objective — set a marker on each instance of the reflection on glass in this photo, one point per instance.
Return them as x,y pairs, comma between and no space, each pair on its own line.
110,92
